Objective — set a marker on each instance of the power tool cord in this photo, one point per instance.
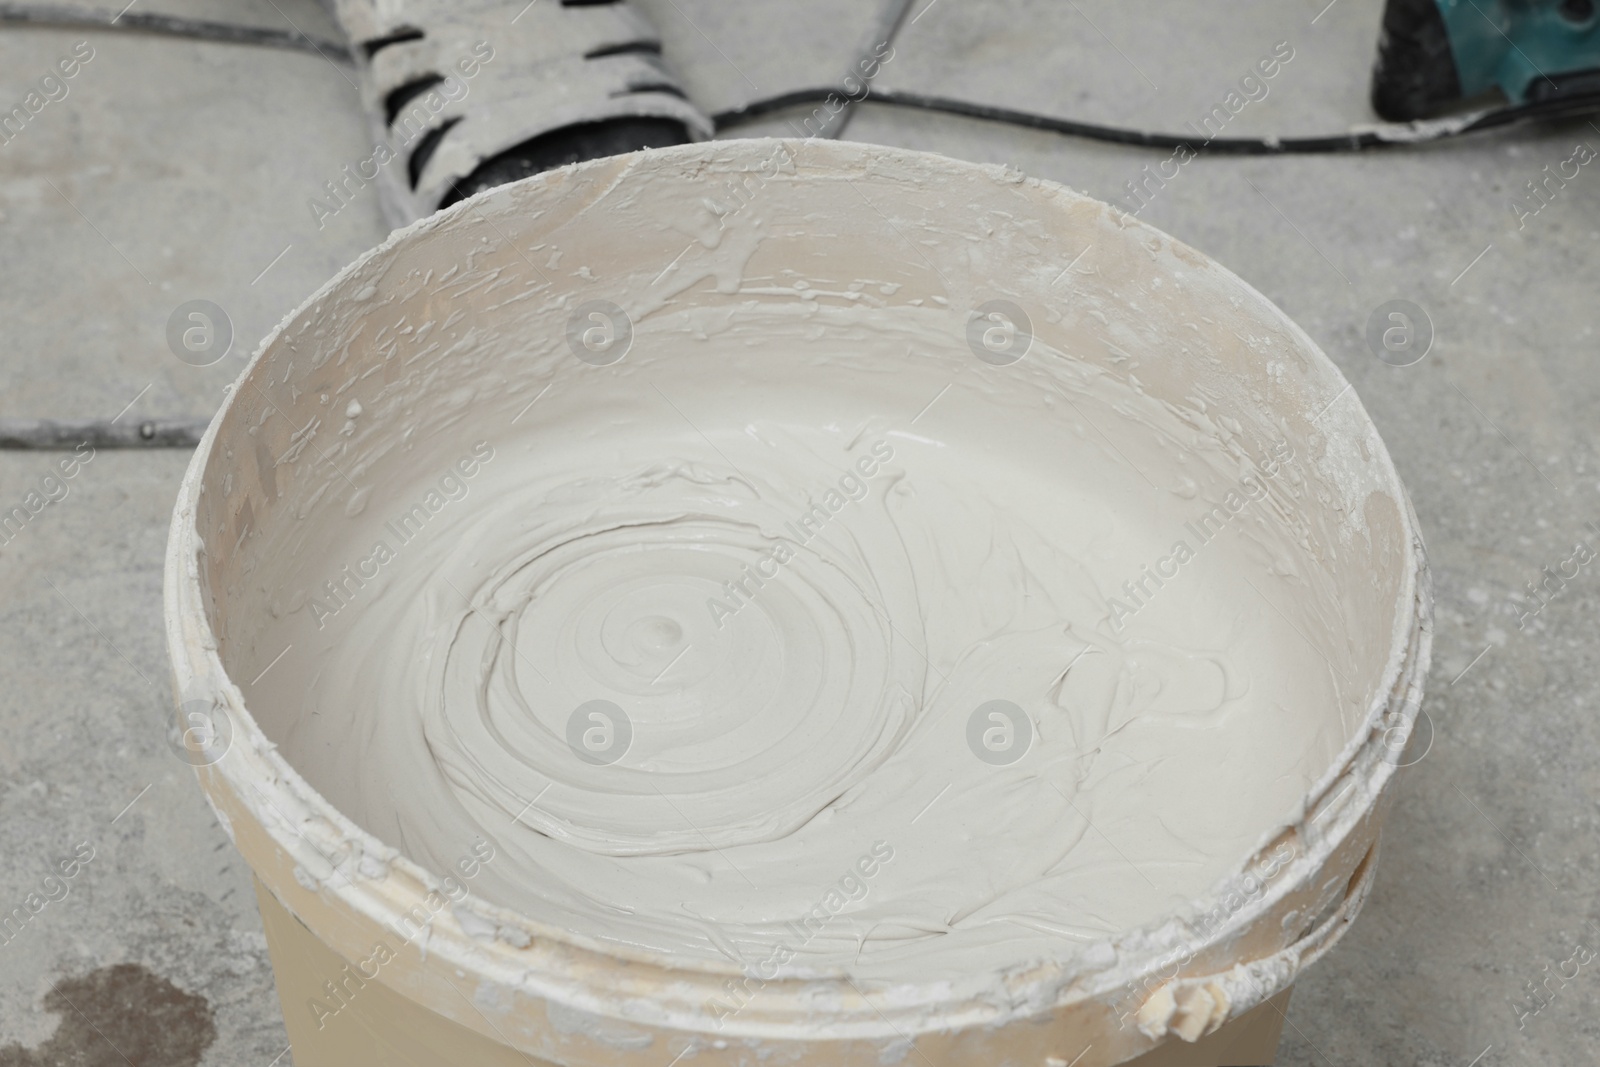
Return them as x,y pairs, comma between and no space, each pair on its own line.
1388,135
76,16
1379,136
53,434
179,433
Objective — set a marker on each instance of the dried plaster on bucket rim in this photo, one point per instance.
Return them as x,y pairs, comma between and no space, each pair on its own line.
369,879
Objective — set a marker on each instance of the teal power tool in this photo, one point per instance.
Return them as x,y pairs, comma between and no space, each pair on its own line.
1436,56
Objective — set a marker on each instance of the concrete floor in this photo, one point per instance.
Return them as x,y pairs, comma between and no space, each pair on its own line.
177,170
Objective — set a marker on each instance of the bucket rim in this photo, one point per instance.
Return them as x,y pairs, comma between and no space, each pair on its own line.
573,960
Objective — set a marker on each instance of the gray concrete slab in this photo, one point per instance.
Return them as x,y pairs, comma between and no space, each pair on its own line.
181,170
172,170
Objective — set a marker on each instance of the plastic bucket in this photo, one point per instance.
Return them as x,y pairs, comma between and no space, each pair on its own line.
272,480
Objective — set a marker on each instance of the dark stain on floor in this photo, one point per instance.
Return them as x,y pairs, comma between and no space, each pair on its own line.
118,1016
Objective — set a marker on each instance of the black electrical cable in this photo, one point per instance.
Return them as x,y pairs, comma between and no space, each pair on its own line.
185,433
1385,136
42,434
77,17
1392,135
